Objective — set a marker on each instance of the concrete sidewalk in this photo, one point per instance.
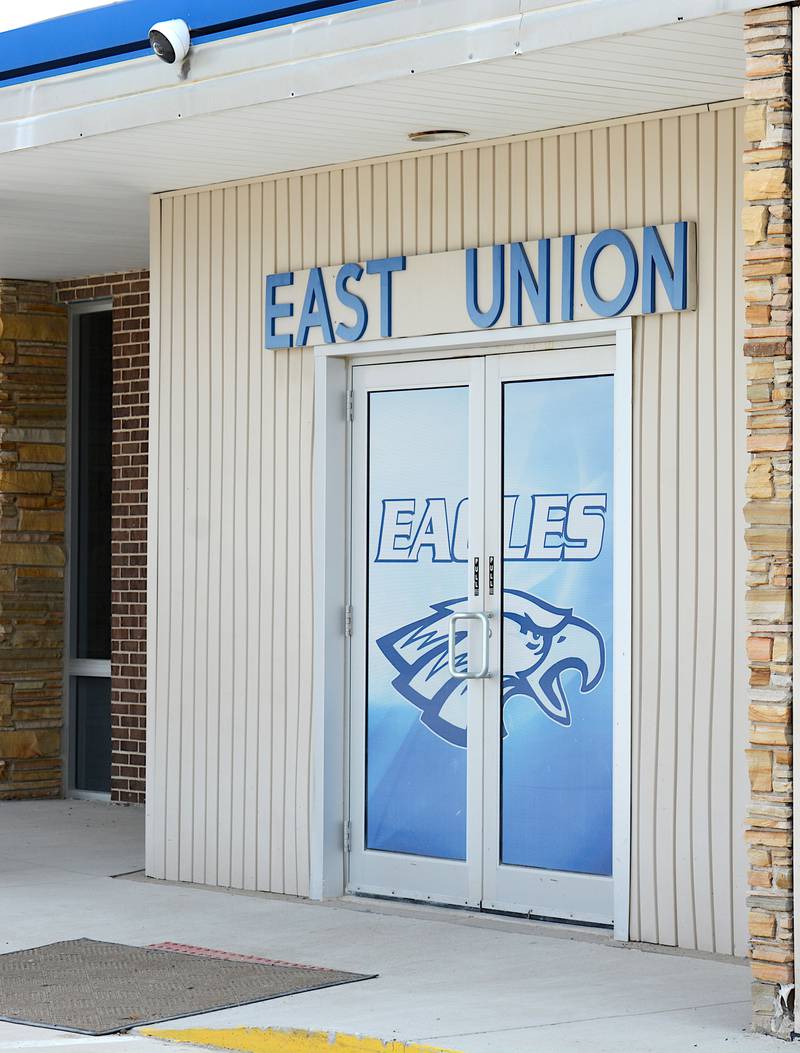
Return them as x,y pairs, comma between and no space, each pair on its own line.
447,979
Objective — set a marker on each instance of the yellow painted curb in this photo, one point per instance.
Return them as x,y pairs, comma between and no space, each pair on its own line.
280,1040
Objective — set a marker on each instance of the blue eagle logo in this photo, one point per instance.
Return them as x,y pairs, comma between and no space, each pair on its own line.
540,642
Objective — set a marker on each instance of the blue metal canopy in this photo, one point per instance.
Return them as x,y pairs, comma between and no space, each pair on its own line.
119,31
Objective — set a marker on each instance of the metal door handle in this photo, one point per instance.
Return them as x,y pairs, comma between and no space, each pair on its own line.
468,616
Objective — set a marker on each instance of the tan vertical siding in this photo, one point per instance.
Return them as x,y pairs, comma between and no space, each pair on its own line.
231,657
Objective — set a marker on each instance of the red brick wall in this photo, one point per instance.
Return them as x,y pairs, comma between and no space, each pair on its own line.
130,294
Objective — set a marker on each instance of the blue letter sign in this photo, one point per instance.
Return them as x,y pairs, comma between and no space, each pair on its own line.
613,272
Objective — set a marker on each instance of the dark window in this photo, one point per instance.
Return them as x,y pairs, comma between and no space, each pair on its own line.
93,733
92,545
90,551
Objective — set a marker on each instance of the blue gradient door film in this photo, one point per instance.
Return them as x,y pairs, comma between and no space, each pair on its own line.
556,782
418,481
555,698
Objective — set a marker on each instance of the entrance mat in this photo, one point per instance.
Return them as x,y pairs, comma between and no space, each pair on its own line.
98,988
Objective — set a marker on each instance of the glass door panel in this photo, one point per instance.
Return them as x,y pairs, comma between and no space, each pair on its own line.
557,728
550,706
416,757
417,470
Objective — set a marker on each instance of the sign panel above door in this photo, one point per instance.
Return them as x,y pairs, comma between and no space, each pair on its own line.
646,270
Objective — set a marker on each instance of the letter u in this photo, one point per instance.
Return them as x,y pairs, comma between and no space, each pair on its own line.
486,319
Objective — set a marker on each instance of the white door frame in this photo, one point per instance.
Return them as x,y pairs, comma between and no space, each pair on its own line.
452,881
328,806
510,888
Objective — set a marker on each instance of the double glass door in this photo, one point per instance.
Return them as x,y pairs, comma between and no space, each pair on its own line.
482,710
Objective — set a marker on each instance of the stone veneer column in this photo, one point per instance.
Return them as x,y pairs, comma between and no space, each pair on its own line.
33,392
766,221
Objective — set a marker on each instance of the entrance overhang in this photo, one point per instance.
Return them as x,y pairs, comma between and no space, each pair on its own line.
81,153
342,50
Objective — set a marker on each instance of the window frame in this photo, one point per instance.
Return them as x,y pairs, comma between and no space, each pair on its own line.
75,667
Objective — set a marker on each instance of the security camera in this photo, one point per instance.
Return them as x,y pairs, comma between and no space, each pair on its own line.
170,40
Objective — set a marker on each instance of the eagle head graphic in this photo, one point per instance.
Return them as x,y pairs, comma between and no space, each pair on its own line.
540,643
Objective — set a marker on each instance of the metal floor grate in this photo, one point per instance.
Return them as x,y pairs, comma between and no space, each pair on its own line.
98,988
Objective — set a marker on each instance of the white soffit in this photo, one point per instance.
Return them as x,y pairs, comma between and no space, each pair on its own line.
80,206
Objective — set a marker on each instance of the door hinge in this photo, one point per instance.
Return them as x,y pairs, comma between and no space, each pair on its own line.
350,401
348,620
347,839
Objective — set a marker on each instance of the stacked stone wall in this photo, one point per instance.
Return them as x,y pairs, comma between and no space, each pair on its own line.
33,393
768,310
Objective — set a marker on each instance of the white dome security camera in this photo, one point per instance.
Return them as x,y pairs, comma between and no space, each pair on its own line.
170,40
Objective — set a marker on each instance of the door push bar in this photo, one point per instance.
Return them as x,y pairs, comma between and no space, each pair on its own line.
468,616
